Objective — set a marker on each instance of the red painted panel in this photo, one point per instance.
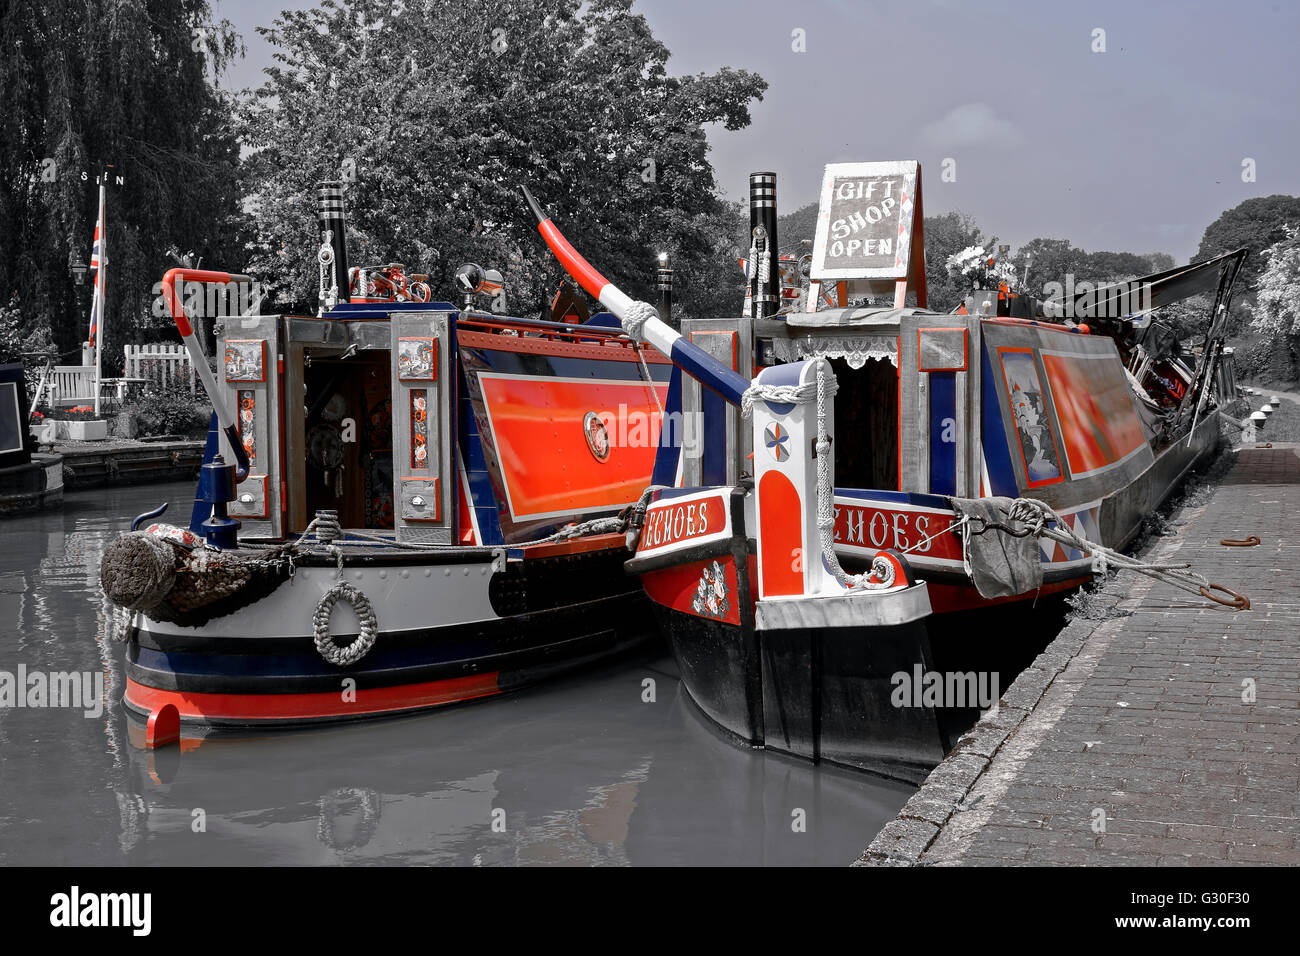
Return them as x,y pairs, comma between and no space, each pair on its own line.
702,588
1099,424
673,521
374,700
901,528
778,510
549,465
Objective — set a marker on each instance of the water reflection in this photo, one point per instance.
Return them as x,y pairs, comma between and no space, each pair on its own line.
581,772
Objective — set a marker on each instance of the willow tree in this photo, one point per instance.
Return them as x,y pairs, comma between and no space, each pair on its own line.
129,83
434,111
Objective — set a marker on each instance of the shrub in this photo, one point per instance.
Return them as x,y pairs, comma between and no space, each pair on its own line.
166,407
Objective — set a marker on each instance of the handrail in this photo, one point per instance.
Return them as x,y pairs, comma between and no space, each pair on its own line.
224,417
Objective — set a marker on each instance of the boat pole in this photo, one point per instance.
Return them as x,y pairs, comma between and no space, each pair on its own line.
641,319
665,276
224,416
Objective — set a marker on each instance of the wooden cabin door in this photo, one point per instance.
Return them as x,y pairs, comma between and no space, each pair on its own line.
423,393
939,400
250,379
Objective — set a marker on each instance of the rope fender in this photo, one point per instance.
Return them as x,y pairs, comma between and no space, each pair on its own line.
339,655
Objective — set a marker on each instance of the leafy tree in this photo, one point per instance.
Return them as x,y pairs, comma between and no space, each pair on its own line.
1256,224
945,236
433,112
1159,262
794,228
126,82
1278,298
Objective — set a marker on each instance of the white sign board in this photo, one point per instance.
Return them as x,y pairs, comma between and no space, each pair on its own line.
865,221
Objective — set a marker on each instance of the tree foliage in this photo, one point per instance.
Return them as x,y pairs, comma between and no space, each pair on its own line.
1278,289
434,112
945,236
121,82
1256,224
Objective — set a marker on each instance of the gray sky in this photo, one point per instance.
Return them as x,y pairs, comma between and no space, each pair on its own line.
1135,149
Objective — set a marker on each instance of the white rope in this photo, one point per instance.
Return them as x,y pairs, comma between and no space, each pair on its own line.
1036,515
826,500
782,395
650,382
638,314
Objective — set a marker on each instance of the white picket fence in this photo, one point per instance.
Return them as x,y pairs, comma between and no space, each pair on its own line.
158,361
75,384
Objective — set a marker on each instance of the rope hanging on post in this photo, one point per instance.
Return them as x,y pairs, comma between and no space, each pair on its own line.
337,654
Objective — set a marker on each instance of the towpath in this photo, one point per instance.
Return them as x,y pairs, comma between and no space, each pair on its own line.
1165,733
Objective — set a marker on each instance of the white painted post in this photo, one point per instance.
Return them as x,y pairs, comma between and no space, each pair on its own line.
790,561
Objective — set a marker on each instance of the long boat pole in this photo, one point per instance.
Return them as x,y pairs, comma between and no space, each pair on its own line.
640,319
225,418
101,281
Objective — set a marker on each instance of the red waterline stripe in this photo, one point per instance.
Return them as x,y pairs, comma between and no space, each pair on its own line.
374,700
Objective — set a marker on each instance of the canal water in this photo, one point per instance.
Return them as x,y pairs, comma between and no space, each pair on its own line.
581,771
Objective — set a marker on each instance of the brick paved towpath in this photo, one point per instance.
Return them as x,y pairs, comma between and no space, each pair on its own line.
1134,740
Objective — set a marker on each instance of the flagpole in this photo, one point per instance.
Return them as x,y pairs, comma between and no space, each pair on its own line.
101,277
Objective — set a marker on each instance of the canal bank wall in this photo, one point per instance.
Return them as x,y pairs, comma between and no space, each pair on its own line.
1160,729
128,461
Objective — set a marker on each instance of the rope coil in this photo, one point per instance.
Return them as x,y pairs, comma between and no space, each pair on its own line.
337,654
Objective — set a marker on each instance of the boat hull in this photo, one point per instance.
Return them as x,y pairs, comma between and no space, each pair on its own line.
856,696
466,629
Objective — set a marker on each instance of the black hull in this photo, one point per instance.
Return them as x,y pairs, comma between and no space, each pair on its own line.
833,694
819,694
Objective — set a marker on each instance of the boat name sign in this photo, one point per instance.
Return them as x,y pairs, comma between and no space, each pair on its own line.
680,520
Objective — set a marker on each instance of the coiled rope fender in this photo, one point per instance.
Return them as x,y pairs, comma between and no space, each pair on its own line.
325,646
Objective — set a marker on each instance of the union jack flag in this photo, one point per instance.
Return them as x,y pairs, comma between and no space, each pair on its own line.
98,258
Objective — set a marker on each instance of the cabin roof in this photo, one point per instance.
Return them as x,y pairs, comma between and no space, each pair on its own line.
866,318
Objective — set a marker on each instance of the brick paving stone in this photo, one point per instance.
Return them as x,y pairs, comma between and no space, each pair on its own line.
1143,717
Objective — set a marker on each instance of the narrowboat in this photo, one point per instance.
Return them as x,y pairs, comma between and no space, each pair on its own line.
884,496
404,504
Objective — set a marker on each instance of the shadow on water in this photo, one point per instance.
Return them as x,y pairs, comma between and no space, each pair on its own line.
580,771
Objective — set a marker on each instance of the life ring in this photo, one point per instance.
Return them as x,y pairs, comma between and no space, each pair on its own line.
337,654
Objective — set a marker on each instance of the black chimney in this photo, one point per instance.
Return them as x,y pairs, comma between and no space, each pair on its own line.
329,214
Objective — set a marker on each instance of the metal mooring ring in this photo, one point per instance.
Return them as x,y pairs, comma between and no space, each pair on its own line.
1238,601
1233,543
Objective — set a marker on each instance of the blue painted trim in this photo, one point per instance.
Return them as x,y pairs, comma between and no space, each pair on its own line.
895,497
712,374
375,310
943,455
997,450
482,498
203,510
670,440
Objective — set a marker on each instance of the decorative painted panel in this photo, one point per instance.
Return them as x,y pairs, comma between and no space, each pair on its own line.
245,360
417,359
1033,422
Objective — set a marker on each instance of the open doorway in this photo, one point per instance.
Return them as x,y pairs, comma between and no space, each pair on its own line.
348,438
866,425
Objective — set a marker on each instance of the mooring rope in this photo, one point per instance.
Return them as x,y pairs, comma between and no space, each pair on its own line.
1035,516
